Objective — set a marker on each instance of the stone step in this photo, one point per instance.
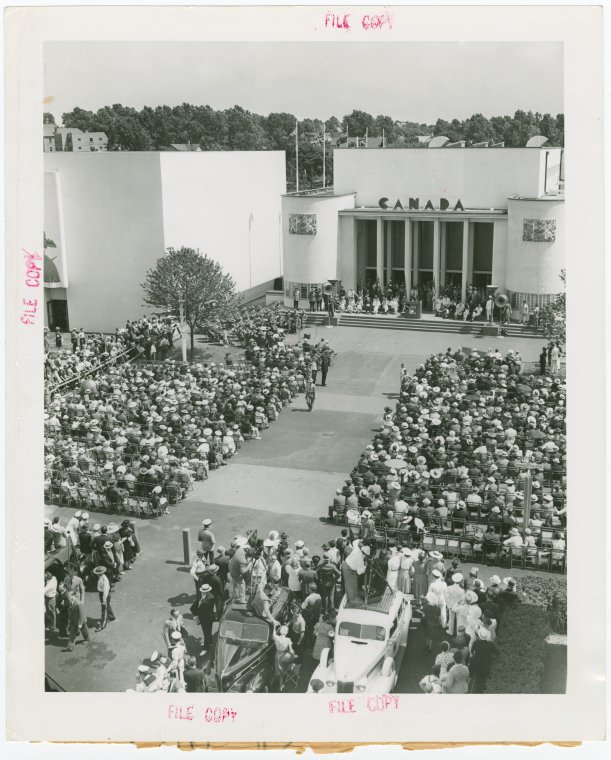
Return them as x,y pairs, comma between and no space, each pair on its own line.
428,325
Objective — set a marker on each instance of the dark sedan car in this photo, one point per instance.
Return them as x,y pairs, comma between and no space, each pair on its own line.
245,650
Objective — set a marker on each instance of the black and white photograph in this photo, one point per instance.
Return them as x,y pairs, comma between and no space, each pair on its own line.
302,317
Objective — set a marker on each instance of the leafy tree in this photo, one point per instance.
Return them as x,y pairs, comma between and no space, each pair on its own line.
48,118
244,130
553,315
333,124
358,123
87,121
186,274
477,128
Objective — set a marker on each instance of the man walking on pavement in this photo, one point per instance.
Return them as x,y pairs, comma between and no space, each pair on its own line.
107,615
198,566
77,621
310,394
205,614
207,539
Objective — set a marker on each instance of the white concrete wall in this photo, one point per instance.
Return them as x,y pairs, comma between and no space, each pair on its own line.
499,252
480,177
347,258
121,210
534,267
113,228
208,199
312,258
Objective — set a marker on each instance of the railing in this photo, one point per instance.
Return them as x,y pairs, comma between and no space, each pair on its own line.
471,548
90,372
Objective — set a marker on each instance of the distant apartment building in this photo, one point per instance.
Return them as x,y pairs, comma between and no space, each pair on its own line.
69,139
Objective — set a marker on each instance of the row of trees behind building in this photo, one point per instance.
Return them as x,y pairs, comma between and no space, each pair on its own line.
238,129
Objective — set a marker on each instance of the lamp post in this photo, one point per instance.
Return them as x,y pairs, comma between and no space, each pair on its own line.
183,328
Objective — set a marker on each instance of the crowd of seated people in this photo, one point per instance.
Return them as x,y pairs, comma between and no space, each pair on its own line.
136,437
451,461
267,324
91,351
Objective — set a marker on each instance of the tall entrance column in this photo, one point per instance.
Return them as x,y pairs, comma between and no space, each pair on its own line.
407,256
436,254
443,244
465,260
416,253
388,242
379,250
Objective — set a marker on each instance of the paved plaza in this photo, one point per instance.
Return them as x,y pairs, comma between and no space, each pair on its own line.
284,481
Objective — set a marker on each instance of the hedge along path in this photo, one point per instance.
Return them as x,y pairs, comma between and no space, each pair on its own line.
520,666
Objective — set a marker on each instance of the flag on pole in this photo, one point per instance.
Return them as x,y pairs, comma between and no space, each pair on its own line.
295,133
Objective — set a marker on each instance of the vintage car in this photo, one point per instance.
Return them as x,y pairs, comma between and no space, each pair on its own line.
369,645
245,649
57,559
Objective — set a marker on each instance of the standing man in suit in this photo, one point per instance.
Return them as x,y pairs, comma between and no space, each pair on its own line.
205,614
543,360
325,363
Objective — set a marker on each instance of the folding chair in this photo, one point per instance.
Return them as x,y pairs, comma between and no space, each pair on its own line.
441,544
453,547
531,559
547,535
428,543
291,677
544,560
465,549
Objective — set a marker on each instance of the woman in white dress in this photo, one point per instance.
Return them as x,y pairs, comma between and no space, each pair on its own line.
404,579
394,565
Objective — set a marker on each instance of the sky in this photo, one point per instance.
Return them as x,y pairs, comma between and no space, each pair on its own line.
409,81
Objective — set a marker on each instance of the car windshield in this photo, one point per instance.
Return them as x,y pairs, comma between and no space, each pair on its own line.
246,632
358,631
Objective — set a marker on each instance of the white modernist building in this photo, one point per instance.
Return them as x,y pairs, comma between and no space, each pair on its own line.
111,215
435,216
416,216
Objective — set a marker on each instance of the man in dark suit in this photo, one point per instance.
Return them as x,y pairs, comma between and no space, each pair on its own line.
205,614
325,363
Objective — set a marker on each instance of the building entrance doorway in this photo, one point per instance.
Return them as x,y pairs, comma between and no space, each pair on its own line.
58,315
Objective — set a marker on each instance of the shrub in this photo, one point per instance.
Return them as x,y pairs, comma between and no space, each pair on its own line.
548,592
520,666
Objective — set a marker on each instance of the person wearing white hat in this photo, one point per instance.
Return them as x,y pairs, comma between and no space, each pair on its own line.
438,587
207,539
431,619
353,566
174,623
482,654
284,650
454,596
515,542
104,594
72,529
177,652
239,567
205,614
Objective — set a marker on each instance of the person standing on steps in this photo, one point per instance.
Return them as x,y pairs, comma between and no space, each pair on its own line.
310,394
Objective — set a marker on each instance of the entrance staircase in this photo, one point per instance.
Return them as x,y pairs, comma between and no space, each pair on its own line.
428,323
